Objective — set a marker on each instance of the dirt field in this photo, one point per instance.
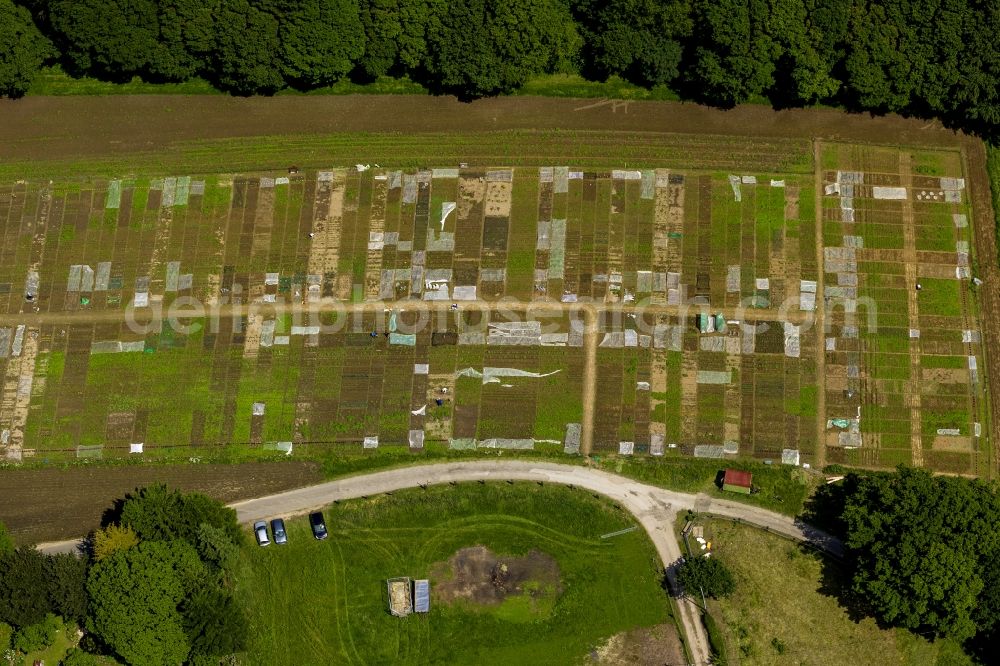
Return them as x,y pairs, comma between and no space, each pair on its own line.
68,127
649,646
53,504
478,576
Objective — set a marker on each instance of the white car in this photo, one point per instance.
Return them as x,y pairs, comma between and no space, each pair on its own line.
260,531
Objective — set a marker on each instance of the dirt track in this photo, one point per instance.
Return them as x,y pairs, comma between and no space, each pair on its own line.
984,226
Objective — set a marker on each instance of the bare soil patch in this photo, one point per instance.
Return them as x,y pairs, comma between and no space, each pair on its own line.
66,127
648,646
479,576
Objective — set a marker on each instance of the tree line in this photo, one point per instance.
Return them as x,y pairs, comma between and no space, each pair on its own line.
152,587
925,57
923,552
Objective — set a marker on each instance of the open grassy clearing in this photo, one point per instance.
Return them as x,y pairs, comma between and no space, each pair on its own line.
785,610
324,601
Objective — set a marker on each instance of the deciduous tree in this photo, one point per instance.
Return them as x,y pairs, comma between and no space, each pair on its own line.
320,40
733,56
37,636
708,575
481,47
111,539
23,49
116,39
380,20
247,54
920,546
135,598
640,39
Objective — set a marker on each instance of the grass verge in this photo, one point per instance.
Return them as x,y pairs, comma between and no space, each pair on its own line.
324,601
54,81
781,488
787,608
993,171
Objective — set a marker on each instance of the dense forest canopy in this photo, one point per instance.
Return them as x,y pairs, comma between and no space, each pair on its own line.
928,57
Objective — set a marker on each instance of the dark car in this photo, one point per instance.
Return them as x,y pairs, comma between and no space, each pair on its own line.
318,525
260,532
278,528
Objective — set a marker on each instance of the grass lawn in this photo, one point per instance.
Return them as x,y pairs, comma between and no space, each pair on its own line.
782,614
940,297
325,601
65,639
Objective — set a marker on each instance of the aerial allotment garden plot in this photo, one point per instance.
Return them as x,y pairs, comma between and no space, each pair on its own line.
799,317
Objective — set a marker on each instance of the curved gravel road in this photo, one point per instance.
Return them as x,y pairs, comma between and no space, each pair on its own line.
655,509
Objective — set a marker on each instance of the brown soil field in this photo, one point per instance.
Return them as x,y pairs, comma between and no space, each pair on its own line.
67,127
50,504
478,576
648,646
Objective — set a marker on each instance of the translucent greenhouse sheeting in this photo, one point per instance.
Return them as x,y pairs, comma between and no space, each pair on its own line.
896,193
493,375
734,182
715,376
113,199
572,440
103,277
447,208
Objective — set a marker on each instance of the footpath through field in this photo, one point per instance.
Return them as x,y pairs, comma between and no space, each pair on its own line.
655,509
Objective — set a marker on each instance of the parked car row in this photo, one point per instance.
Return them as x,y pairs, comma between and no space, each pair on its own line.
316,522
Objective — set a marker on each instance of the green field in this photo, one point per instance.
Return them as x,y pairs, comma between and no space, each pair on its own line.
787,609
324,602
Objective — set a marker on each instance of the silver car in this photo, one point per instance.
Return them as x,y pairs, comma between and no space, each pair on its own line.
260,531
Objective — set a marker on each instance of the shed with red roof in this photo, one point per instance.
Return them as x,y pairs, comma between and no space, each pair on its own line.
737,481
